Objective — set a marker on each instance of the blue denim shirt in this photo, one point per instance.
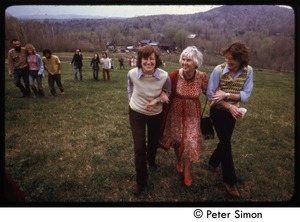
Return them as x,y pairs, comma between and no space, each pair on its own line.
214,82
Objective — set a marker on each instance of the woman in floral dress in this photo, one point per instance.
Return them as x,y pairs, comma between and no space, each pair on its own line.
182,117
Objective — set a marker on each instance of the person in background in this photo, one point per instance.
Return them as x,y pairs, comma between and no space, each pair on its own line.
111,65
95,65
106,65
17,59
77,61
121,62
164,64
53,66
129,61
36,70
133,62
182,118
229,84
145,84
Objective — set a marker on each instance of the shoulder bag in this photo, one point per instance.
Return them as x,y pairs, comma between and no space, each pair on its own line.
206,125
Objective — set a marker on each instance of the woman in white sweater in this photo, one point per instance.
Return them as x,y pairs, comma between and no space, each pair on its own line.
145,84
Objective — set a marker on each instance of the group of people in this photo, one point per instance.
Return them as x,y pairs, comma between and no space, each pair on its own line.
95,64
165,110
106,66
24,63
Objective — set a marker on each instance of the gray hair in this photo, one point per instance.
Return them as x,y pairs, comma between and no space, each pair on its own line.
193,53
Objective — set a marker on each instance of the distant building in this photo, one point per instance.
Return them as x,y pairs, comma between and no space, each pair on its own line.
145,42
167,44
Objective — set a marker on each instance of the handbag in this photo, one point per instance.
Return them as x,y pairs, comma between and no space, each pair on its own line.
206,125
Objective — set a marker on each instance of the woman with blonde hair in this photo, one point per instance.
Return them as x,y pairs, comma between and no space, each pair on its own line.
182,118
36,69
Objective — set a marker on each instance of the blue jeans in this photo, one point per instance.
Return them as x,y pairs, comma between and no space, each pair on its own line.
33,75
22,73
77,69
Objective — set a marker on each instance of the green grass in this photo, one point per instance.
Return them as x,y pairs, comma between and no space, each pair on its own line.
78,147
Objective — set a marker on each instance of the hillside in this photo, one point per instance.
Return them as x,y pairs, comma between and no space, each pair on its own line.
268,30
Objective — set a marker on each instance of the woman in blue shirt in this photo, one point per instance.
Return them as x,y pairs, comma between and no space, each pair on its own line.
229,84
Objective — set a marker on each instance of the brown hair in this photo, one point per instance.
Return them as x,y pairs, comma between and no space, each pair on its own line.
145,52
239,51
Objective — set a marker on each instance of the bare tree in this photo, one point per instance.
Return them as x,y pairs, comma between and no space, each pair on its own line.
113,32
180,38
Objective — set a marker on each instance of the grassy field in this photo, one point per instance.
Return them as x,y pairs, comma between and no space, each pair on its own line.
78,147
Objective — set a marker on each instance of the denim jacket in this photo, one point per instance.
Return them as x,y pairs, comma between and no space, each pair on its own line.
41,64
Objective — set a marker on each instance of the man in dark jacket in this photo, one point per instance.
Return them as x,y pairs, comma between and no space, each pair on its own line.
77,61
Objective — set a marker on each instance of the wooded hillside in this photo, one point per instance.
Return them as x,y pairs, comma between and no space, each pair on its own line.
268,30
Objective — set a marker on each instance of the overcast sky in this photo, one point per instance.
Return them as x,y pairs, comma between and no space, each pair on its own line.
108,10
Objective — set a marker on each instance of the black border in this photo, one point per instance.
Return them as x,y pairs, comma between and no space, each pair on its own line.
294,202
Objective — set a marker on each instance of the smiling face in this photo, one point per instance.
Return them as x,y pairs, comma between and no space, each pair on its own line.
188,64
29,50
233,64
148,64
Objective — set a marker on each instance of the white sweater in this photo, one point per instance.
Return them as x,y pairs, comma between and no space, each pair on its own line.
145,89
106,63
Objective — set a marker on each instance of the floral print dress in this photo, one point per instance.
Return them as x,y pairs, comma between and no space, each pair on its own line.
182,121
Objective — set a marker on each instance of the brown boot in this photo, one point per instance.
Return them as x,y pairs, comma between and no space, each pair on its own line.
232,190
137,189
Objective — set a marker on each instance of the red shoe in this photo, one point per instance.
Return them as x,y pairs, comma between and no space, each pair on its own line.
187,180
179,167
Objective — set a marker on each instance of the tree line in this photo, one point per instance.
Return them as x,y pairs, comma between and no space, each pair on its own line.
268,30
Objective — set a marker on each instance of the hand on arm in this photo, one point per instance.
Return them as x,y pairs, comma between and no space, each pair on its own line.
220,95
232,109
163,98
150,105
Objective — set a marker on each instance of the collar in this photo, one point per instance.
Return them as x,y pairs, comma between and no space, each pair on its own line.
155,74
226,70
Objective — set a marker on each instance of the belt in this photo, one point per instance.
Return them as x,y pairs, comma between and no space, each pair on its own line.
221,108
18,68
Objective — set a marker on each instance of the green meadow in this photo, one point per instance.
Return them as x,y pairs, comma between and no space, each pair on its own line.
78,147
